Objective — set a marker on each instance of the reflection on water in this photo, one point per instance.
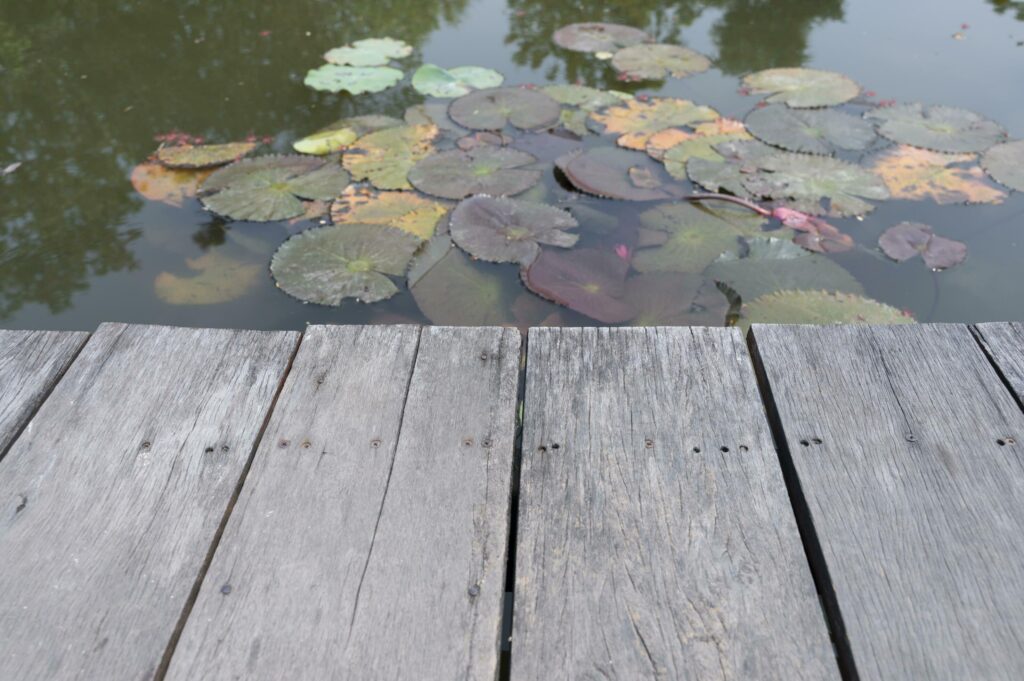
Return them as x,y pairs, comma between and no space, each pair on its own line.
86,85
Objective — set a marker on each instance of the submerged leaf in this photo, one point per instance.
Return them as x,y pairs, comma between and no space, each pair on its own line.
167,185
939,128
814,132
406,211
821,307
369,52
806,182
657,62
675,299
802,88
354,79
341,134
221,279
435,81
911,239
483,170
203,155
507,230
325,265
918,174
611,173
386,156
454,291
1005,163
493,108
598,37
588,281
636,121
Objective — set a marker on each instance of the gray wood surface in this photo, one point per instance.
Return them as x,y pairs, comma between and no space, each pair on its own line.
894,435
31,362
646,550
377,550
113,497
1004,343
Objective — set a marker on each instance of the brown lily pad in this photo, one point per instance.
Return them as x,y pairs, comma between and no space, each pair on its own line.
588,281
911,239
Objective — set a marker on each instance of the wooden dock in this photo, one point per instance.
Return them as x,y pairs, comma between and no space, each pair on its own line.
439,503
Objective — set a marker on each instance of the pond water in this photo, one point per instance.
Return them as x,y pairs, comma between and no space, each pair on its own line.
88,85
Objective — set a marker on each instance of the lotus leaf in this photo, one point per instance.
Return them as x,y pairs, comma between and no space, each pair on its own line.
802,88
821,307
341,134
203,155
493,108
406,211
609,173
369,52
918,174
814,132
675,299
455,291
805,182
598,37
386,156
507,230
435,81
697,235
657,62
938,128
1005,163
910,239
354,79
484,170
221,279
586,280
636,121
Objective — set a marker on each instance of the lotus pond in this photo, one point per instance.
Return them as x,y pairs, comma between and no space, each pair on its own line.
517,162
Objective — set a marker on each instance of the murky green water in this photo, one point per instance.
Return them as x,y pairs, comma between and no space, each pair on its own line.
86,85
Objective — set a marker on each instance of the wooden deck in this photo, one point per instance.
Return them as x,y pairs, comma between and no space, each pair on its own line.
403,503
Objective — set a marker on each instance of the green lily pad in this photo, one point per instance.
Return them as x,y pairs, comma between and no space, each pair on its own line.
1005,163
674,147
507,230
579,101
341,134
386,156
427,256
777,265
588,281
657,62
821,307
803,88
434,113
493,108
598,37
613,174
354,79
434,81
203,155
636,121
814,132
805,182
270,188
675,299
455,291
483,170
369,52
736,158
325,265
697,235
220,279
938,128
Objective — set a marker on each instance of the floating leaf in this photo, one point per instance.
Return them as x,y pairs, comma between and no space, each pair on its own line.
635,121
657,62
939,128
484,170
589,281
803,88
598,37
221,279
457,292
548,145
609,173
737,158
341,134
821,307
312,210
325,265
507,230
386,156
919,174
814,132
433,113
167,185
427,256
369,52
675,299
581,100
483,138
911,239
697,235
698,144
203,155
776,265
1005,163
406,211
492,109
815,234
270,188
354,79
433,81
805,182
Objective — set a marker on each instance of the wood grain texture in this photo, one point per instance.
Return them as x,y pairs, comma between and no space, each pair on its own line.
1004,343
31,362
893,434
656,538
378,551
112,499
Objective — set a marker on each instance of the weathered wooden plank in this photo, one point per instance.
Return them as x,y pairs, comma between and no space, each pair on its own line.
378,551
115,494
31,362
1004,343
893,434
656,538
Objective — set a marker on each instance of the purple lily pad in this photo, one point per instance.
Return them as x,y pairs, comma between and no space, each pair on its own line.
588,281
676,299
615,174
507,230
910,239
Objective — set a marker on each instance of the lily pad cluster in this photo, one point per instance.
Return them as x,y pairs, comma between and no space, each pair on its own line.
619,208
